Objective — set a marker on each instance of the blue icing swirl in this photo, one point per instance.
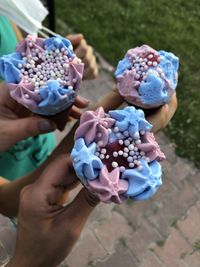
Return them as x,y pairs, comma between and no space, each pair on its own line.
169,65
153,90
86,164
59,42
55,98
122,66
9,67
143,184
131,120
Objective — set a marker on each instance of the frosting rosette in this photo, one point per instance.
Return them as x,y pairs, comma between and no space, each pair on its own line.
147,78
43,75
116,156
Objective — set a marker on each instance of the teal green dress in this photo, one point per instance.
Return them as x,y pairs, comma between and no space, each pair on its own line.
28,154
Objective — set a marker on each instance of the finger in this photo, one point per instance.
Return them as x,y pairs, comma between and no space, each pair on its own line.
89,57
75,39
82,49
81,102
75,112
23,128
91,72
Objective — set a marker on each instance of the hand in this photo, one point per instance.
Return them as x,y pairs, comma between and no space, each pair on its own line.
17,123
47,231
161,117
86,54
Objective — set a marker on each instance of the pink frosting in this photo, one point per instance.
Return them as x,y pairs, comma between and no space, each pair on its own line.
108,187
19,92
75,72
151,147
24,47
142,51
94,126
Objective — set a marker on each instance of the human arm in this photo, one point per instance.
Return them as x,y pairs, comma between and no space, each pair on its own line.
41,220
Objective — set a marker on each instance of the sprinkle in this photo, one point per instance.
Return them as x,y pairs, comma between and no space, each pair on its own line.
126,133
70,87
126,149
155,64
118,135
127,142
137,135
115,154
103,151
130,159
114,164
75,160
100,143
142,132
107,156
121,142
125,155
138,142
140,168
99,134
122,169
131,153
97,154
150,56
131,165
142,153
116,129
27,96
120,152
131,147
102,156
147,159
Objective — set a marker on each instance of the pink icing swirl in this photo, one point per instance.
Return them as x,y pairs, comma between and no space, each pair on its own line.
75,72
109,187
94,126
24,46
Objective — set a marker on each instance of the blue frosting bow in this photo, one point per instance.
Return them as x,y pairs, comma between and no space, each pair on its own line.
86,164
131,120
143,184
55,98
9,69
59,42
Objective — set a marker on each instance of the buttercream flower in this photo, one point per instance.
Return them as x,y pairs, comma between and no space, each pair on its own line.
146,77
94,125
109,188
127,161
87,163
44,75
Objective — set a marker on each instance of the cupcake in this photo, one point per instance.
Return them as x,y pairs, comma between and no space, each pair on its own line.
116,156
44,75
147,78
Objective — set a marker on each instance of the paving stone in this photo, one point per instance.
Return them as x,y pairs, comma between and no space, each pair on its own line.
86,250
190,227
109,232
195,180
173,249
121,258
141,239
192,260
151,260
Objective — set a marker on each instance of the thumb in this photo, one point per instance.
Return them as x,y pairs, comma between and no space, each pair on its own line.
75,38
23,128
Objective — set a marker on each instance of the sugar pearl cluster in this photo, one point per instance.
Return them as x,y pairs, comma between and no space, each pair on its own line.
43,66
129,150
143,65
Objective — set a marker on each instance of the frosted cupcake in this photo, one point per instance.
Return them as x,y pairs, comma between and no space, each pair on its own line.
44,76
147,78
115,156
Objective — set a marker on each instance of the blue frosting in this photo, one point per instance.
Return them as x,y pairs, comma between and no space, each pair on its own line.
59,42
143,184
9,69
122,66
131,120
169,65
86,164
55,98
152,91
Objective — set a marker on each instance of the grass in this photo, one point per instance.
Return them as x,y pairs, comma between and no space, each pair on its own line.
113,26
197,245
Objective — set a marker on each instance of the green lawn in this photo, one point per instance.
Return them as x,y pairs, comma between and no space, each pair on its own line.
113,26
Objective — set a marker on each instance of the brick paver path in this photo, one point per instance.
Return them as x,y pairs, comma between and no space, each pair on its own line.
161,232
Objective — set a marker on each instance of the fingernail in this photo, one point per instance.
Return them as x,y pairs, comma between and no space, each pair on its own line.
46,126
84,99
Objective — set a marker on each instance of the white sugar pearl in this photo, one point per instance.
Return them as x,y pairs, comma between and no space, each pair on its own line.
130,159
114,164
97,154
19,65
150,56
115,154
155,64
136,162
125,155
126,133
100,143
107,156
140,168
138,142
131,165
137,135
41,82
131,147
103,151
142,153
126,149
102,156
65,65
75,160
149,63
118,135
27,96
131,153
122,169
121,142
147,159
120,152
116,129
99,134
70,87
142,132
127,142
